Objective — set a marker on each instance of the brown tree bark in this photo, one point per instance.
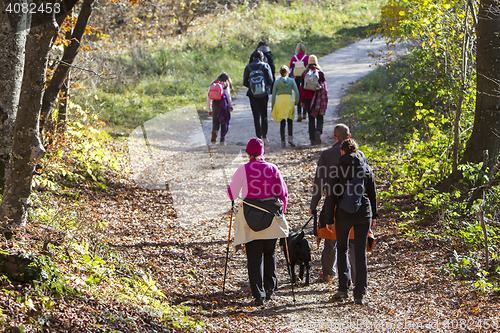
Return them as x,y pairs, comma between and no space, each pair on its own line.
486,130
61,71
14,28
27,148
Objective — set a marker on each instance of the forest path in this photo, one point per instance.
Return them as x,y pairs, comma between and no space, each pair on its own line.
407,289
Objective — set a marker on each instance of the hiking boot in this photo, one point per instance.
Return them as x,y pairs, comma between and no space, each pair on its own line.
324,278
283,144
340,295
214,137
290,141
269,295
265,139
317,137
258,302
358,300
299,119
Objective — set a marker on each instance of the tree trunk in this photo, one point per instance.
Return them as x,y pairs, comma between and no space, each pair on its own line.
14,28
61,71
27,148
486,132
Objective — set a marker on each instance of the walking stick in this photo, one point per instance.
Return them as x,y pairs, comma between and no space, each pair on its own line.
227,249
288,265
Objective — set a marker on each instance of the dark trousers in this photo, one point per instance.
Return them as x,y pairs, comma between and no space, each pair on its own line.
283,124
261,264
215,120
259,111
315,124
299,81
342,229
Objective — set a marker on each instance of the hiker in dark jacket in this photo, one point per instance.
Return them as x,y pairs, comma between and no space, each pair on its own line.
259,103
268,57
327,163
351,164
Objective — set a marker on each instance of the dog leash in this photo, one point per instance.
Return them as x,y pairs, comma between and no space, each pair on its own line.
307,223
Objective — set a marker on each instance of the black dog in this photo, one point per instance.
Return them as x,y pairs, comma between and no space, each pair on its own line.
299,253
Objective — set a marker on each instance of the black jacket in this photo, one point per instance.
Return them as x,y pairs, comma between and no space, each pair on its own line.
327,161
348,167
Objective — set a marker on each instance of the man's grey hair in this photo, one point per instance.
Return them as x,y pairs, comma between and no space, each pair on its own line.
341,131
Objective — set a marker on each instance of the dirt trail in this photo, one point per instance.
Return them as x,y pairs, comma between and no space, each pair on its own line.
406,290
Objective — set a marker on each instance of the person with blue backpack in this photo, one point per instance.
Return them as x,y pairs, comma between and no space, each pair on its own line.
352,199
258,78
268,57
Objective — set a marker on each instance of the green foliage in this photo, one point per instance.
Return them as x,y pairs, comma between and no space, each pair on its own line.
463,267
157,76
85,153
473,236
406,111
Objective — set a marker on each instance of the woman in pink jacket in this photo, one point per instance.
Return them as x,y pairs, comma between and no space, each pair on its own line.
260,182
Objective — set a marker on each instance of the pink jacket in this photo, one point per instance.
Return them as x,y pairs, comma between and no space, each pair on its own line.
258,179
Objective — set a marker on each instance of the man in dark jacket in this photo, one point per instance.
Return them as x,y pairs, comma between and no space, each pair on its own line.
258,75
327,161
268,57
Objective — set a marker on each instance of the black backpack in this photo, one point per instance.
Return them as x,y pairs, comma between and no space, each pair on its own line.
353,194
259,213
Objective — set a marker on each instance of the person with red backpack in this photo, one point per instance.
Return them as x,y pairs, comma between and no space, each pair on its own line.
313,80
297,66
219,106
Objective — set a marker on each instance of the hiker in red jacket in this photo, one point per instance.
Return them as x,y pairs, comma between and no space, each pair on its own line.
301,60
307,94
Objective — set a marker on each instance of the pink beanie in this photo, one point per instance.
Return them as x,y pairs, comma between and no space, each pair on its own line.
255,147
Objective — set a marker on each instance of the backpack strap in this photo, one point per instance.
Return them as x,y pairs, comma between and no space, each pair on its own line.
302,57
296,59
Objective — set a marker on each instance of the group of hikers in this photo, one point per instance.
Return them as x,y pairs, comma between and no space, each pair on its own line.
343,176
302,84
